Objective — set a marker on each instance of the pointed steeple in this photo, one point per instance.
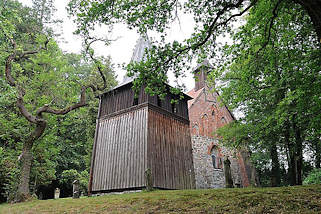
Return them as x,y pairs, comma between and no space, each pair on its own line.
142,44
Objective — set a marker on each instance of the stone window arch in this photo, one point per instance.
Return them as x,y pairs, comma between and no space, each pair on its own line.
216,158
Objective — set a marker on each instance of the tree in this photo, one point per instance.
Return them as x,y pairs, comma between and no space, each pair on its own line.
212,18
277,87
40,77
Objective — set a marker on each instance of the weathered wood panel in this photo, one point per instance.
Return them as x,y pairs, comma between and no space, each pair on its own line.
120,160
120,99
170,151
123,98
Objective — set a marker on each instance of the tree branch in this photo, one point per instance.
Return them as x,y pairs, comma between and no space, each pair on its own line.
100,69
274,15
81,103
214,26
21,92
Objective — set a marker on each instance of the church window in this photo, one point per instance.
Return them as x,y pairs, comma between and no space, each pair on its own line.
213,113
223,120
213,160
216,160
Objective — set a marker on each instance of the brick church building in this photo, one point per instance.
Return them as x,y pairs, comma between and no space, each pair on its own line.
206,115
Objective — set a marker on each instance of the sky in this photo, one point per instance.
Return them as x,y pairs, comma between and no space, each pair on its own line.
120,50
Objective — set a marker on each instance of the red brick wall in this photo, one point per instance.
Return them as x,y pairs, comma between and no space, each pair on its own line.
201,114
206,115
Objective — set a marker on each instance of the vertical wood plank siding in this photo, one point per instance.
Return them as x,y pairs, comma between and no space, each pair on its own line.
130,139
170,152
120,160
120,99
123,98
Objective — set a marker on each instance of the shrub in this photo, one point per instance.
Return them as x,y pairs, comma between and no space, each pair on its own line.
314,177
68,176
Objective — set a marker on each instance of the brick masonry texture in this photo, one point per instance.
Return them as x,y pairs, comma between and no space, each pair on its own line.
206,115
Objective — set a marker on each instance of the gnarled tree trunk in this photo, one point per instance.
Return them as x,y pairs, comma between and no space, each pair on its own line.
26,161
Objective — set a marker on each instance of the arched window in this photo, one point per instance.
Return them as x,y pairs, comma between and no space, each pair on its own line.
216,159
223,120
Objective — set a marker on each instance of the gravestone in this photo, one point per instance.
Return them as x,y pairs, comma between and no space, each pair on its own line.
228,174
149,180
75,189
57,193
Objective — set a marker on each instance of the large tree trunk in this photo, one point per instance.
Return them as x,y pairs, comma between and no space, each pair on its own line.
295,154
317,153
26,161
298,153
276,176
313,8
291,155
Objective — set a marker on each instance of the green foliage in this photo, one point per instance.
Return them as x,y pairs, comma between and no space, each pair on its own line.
212,21
274,82
69,176
49,77
9,172
313,178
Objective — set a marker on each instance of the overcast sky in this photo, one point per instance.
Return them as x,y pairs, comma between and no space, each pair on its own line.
120,50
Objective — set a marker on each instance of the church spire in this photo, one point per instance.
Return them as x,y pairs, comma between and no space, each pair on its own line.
142,44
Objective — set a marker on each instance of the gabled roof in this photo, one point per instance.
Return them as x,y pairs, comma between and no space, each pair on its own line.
197,94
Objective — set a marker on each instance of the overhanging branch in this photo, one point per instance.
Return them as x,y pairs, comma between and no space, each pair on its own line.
214,25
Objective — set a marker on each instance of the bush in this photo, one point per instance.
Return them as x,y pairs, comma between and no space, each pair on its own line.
68,176
314,177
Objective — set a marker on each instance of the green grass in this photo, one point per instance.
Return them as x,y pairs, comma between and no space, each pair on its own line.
299,199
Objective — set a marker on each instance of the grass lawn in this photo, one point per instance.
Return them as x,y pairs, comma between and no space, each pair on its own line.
299,199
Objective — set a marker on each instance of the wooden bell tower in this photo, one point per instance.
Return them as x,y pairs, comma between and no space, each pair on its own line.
135,135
